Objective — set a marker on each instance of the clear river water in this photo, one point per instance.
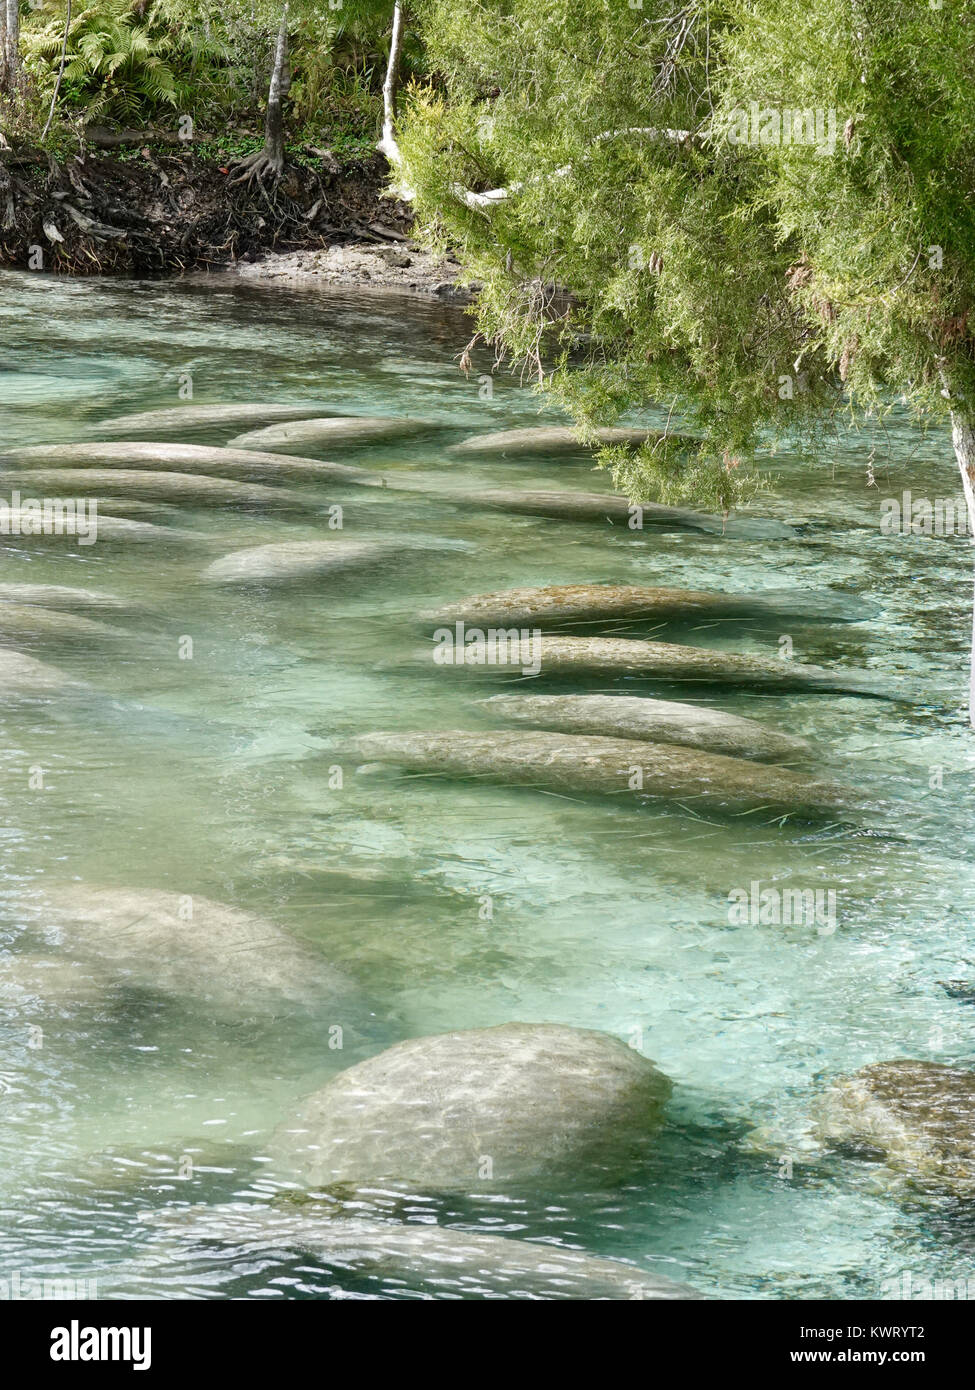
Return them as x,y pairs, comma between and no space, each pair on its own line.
451,904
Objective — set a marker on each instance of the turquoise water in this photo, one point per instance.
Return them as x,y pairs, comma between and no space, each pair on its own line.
210,776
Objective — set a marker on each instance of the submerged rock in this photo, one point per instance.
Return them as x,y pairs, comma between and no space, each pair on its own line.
659,721
188,945
63,599
450,1262
565,604
630,768
489,1106
183,418
551,439
194,459
918,1116
22,677
291,562
336,429
663,661
31,626
195,489
608,506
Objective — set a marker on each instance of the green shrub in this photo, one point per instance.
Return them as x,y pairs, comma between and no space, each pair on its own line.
120,66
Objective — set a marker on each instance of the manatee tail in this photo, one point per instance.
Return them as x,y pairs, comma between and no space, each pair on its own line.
819,604
865,683
745,528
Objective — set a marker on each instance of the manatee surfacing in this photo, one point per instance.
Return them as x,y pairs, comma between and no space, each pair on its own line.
552,439
336,429
629,769
452,1263
195,460
489,1106
656,721
186,944
293,562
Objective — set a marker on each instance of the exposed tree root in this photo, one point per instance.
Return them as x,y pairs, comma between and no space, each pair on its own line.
165,213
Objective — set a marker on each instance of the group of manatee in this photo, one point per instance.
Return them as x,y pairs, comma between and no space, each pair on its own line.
489,1109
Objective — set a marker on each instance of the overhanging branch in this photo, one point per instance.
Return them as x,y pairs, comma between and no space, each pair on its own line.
478,202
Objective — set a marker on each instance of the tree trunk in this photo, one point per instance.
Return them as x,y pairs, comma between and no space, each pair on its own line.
963,439
279,89
11,44
60,78
391,86
270,159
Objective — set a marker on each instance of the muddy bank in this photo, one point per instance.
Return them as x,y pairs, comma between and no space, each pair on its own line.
158,210
402,267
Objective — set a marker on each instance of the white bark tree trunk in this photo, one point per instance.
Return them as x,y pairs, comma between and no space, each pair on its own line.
963,439
280,86
11,44
268,162
388,144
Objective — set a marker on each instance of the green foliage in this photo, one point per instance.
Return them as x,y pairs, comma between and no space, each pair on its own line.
748,288
886,227
120,66
129,60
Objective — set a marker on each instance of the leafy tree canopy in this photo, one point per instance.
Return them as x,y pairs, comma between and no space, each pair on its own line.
761,212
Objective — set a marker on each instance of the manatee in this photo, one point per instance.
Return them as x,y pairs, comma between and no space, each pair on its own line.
918,1116
485,1107
661,661
338,429
567,604
451,1263
31,626
114,529
134,509
188,946
659,721
195,489
199,418
632,768
63,599
195,459
22,677
614,508
292,562
553,439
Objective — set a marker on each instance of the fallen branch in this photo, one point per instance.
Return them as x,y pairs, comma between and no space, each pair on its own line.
103,139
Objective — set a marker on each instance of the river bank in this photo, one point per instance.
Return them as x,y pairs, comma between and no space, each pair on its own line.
156,210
